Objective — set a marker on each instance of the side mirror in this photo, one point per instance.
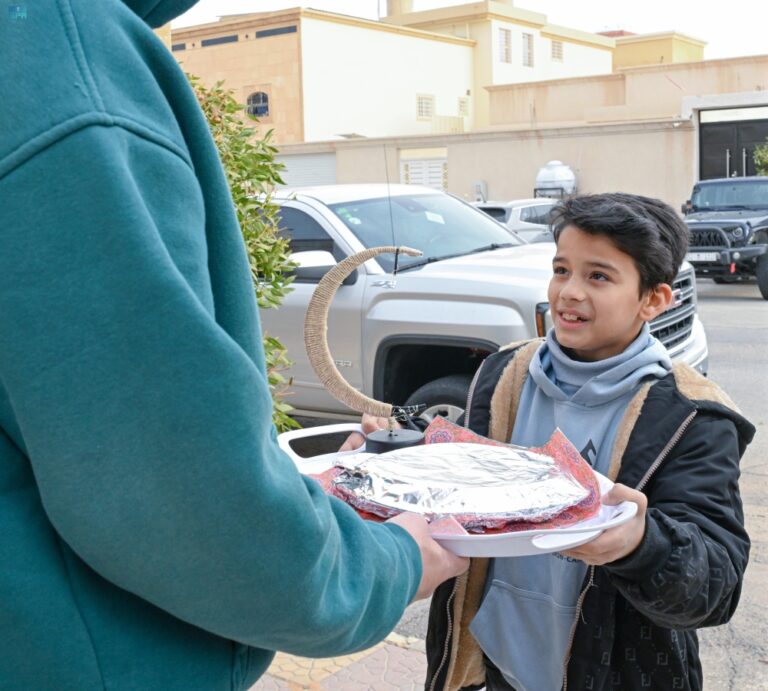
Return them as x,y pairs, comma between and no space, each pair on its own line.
314,264
687,207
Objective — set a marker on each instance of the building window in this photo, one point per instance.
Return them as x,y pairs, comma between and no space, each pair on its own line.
528,50
265,33
557,51
425,106
258,105
232,38
463,106
505,45
179,46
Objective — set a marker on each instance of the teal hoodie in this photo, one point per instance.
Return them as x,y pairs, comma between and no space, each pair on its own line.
152,535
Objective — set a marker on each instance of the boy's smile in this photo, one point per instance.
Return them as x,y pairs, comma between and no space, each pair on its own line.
595,297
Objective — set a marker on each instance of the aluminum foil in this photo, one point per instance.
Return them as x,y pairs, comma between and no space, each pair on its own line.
507,482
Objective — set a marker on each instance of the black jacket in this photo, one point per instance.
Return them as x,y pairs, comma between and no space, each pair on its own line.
680,442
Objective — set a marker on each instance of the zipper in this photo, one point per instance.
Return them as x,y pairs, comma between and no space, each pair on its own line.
471,393
579,603
665,451
640,486
448,635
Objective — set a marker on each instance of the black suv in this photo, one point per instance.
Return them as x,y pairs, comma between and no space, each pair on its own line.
728,220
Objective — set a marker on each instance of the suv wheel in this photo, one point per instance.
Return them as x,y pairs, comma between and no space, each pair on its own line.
446,397
761,271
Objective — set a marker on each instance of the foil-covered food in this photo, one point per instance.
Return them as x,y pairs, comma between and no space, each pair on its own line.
439,479
484,485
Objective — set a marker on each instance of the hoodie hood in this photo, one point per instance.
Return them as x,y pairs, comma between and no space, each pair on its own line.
592,384
159,12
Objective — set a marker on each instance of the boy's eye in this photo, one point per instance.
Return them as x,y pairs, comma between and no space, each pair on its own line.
558,269
599,277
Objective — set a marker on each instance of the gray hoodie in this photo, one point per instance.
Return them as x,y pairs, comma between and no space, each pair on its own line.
526,616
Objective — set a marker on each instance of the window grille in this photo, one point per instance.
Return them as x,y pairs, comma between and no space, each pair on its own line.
505,45
528,50
425,106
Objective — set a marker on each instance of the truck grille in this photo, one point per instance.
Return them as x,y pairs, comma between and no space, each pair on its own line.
675,325
708,237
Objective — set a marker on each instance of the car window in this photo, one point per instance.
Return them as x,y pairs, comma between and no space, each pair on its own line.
725,195
497,212
437,224
302,231
536,214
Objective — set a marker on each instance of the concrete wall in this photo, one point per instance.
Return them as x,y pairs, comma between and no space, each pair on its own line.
366,80
633,94
655,49
655,159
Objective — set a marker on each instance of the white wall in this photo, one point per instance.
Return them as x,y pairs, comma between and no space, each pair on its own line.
578,60
365,81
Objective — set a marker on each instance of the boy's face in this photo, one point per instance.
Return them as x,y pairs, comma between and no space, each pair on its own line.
594,296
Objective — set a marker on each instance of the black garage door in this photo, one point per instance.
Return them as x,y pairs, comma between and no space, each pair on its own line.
726,148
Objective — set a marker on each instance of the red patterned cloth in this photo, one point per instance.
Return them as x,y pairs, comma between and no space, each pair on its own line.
441,431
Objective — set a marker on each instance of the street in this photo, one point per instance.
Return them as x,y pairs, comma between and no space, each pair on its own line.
735,656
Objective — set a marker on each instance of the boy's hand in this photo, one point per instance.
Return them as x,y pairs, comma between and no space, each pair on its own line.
370,423
615,543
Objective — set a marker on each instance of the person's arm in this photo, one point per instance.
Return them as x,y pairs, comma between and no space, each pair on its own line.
688,569
149,427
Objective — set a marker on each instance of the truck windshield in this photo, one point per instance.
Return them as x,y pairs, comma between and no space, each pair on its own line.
731,195
439,225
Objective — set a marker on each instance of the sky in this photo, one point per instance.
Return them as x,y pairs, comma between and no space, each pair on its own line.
732,29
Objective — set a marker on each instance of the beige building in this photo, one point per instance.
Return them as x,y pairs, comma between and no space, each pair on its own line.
313,75
650,130
477,97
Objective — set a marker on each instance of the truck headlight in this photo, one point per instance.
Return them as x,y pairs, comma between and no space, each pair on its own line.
738,232
543,319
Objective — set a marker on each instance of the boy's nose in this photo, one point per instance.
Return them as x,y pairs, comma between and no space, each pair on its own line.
572,290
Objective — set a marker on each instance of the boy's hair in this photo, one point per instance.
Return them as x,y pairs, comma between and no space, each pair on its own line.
646,229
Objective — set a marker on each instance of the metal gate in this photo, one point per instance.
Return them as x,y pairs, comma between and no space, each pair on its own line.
726,148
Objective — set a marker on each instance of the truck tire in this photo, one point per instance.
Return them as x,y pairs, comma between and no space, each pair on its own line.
722,280
446,397
761,271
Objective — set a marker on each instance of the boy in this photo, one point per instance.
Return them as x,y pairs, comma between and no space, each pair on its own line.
619,612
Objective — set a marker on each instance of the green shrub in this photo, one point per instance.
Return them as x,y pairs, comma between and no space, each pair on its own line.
761,158
252,173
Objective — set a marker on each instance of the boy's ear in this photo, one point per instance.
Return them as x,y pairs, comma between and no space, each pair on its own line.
657,300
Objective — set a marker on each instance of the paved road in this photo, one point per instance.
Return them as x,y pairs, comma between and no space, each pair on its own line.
735,656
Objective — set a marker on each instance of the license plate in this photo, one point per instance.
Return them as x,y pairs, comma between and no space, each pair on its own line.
702,256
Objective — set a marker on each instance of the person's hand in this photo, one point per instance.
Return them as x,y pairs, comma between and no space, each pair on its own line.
615,543
438,564
370,423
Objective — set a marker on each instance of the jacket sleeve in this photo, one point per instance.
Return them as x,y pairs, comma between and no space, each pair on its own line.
687,572
148,426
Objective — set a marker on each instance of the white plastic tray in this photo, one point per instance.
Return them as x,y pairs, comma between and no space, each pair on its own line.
519,544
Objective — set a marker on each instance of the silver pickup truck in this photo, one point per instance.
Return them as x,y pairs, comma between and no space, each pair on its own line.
418,336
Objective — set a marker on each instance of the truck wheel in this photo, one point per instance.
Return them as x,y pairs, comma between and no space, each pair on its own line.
761,272
446,397
720,280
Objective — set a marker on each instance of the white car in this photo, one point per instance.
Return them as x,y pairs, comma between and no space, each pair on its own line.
527,217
